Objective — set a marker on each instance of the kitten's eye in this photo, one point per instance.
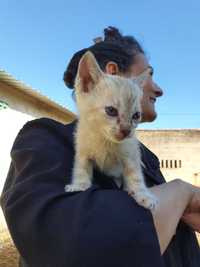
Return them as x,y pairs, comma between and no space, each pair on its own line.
111,111
136,116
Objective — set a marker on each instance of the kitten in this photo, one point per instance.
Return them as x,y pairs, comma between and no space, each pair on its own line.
110,110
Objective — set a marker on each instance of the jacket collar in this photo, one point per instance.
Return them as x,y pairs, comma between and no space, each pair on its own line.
151,167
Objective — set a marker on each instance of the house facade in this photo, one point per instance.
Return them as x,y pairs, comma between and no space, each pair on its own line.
178,152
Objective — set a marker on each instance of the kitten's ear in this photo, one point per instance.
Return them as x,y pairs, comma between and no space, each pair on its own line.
89,72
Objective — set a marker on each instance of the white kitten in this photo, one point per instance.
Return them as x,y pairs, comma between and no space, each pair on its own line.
110,110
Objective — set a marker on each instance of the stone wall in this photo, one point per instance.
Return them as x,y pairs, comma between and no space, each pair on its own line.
177,150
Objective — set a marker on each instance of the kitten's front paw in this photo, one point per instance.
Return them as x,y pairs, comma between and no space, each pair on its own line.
145,198
77,187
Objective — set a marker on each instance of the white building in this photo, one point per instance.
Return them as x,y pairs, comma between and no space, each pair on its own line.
19,103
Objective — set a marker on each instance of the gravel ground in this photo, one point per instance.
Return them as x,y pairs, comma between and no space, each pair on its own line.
8,253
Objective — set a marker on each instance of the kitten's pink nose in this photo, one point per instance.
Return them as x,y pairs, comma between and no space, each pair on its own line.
125,132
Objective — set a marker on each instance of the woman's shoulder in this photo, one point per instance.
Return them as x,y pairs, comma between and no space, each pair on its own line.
49,128
50,124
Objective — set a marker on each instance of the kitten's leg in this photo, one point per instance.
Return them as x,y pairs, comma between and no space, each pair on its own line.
82,175
135,185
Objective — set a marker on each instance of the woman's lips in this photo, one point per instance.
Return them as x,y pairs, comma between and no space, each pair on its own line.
153,99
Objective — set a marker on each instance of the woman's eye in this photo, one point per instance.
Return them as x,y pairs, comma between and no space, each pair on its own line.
136,116
151,71
111,111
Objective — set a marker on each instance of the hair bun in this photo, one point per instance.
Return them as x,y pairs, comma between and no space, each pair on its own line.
112,34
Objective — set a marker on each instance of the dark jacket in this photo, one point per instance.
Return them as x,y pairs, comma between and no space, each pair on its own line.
100,227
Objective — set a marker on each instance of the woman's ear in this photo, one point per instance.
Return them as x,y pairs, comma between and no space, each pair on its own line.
112,68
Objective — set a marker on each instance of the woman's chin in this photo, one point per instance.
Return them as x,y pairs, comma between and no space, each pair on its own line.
150,117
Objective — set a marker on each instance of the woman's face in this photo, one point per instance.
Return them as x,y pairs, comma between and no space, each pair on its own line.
150,89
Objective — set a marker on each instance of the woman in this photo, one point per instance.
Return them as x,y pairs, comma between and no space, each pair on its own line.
101,226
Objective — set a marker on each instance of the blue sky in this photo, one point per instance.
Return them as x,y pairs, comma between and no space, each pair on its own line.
37,39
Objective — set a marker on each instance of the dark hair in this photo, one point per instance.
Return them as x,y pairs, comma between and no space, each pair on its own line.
115,47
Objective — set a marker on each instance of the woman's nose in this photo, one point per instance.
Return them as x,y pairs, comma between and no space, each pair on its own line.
158,90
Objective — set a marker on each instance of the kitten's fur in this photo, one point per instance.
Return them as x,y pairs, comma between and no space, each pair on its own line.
99,136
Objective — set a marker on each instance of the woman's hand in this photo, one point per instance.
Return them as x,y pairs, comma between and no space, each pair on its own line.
191,215
173,199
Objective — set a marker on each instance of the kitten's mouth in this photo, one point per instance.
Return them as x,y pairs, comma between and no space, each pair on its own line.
119,139
116,138
120,136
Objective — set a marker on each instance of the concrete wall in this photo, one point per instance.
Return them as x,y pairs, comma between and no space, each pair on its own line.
177,150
